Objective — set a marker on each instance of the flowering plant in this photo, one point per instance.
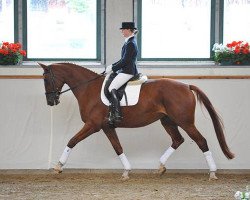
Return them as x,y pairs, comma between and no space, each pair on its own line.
237,52
11,53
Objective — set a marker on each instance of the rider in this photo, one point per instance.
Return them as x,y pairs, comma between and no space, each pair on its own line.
125,68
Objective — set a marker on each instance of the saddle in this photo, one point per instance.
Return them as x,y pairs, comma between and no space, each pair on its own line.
135,80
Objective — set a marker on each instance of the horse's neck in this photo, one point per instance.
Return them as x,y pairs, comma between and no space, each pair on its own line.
74,75
77,77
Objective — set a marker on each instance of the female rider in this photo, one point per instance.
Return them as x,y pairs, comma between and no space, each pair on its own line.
125,68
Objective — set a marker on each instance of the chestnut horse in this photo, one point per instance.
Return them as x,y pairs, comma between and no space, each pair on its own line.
170,101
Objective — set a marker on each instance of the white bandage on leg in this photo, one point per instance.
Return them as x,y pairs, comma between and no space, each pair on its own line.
65,155
210,161
166,155
125,161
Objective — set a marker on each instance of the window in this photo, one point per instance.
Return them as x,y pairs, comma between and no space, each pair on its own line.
236,20
175,29
62,29
7,20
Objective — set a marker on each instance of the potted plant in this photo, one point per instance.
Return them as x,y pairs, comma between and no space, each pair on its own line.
234,53
11,53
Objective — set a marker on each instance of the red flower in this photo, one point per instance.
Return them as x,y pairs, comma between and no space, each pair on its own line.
246,45
23,53
245,51
11,48
4,52
5,43
237,50
234,44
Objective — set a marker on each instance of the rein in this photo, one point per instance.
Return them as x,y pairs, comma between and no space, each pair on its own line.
84,82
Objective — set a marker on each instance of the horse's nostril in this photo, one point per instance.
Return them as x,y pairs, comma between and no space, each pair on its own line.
50,104
57,101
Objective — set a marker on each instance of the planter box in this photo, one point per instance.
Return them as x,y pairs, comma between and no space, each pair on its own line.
227,63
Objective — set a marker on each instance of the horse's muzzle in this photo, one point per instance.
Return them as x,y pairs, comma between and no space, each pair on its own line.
52,99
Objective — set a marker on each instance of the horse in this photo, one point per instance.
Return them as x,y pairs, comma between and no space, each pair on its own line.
170,101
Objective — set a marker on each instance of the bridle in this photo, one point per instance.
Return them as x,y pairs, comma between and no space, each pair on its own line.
56,92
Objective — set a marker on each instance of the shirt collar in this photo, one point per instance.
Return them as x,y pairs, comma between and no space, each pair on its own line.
126,39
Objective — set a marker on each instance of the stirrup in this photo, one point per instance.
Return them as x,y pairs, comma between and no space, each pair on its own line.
111,123
112,120
117,119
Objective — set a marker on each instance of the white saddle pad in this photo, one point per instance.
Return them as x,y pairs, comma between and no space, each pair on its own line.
132,90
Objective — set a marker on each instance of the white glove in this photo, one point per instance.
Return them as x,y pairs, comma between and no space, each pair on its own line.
109,69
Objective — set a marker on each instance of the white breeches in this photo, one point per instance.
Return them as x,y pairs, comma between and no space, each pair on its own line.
119,81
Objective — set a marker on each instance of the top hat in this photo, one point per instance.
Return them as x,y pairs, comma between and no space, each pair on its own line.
128,25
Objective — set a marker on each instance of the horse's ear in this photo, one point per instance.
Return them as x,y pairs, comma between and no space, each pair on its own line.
43,66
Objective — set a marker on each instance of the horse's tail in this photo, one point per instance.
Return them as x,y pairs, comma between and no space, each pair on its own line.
217,122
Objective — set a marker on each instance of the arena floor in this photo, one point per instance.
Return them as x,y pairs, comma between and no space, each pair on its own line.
146,186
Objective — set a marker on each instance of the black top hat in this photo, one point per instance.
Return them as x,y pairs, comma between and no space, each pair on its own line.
128,25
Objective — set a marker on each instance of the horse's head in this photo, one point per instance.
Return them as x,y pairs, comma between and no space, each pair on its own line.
52,85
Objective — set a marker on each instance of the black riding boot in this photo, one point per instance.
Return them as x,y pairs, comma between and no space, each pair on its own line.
115,114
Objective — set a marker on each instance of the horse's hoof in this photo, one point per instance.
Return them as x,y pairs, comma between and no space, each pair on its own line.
162,169
212,176
125,178
125,175
58,169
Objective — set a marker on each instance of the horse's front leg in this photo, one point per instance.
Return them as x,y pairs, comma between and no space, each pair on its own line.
113,138
87,130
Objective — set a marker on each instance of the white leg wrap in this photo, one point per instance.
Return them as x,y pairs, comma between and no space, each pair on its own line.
65,155
166,155
210,161
125,161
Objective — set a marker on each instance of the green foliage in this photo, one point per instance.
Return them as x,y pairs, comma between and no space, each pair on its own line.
10,59
231,57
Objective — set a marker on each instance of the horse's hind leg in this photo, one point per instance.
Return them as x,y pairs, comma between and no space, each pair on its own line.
177,140
113,138
195,135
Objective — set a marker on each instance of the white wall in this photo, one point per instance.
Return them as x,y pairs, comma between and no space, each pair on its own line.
33,135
